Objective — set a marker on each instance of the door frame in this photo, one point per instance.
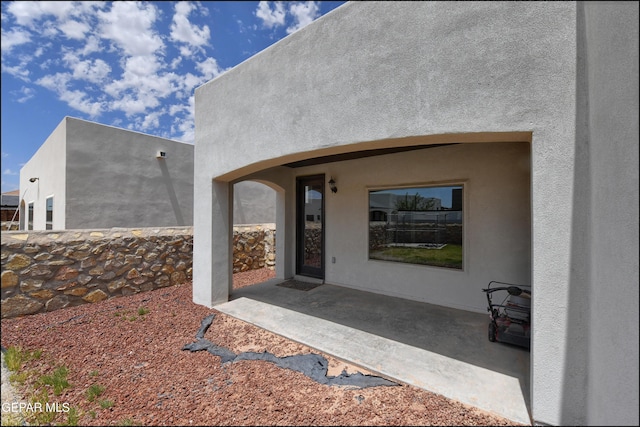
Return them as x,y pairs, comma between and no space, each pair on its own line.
301,268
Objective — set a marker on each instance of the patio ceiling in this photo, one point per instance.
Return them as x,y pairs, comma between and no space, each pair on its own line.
358,155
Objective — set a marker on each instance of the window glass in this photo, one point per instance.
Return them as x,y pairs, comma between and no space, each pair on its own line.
49,222
417,225
30,217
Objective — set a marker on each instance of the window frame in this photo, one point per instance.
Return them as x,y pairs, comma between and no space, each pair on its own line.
458,237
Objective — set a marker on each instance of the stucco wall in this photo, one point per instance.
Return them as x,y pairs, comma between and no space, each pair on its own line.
115,180
253,203
497,226
48,164
611,40
390,70
379,74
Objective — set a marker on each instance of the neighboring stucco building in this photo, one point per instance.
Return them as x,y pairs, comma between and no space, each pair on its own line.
528,109
89,175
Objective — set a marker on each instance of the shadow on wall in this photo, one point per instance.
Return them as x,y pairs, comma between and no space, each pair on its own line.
173,198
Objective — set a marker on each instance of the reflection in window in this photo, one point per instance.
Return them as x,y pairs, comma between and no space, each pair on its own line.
30,217
49,222
417,225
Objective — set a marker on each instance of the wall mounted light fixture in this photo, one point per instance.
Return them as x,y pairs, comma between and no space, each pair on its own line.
332,186
161,155
33,179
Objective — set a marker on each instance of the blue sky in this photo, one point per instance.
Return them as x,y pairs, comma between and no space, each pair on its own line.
132,65
442,193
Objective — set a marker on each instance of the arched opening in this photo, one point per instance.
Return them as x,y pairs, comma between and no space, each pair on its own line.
255,205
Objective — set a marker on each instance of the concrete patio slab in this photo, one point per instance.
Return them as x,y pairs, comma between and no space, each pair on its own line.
441,350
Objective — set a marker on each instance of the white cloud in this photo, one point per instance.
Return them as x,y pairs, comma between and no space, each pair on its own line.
175,62
27,93
15,37
76,99
92,71
178,108
150,121
27,12
130,26
271,17
92,45
209,69
39,51
183,31
54,82
9,172
303,14
131,105
142,74
109,57
185,126
74,29
19,71
141,87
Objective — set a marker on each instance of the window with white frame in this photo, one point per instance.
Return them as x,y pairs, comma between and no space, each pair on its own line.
417,225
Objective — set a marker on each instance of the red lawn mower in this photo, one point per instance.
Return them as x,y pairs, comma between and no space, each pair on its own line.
511,317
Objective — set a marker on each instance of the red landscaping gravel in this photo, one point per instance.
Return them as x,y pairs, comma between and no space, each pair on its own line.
138,358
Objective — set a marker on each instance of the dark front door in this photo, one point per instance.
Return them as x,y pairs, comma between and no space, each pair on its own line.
310,226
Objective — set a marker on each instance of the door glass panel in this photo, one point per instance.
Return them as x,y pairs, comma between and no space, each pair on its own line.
313,224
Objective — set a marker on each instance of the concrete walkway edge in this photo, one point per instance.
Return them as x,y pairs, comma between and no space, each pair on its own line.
488,390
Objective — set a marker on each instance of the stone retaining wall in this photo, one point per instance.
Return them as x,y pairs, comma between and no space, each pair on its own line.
48,270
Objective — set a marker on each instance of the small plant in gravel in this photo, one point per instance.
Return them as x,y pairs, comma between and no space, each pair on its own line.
44,416
58,380
142,311
73,417
9,419
94,391
21,377
15,356
106,404
94,373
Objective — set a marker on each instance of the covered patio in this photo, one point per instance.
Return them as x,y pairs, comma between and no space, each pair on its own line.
439,349
530,109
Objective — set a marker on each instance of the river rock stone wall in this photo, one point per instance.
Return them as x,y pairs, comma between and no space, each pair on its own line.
48,270
254,246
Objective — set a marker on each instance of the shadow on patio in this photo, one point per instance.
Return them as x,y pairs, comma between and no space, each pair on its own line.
439,349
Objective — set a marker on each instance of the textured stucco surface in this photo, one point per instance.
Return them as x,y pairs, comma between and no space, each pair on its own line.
48,164
612,50
497,225
115,180
102,176
380,74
